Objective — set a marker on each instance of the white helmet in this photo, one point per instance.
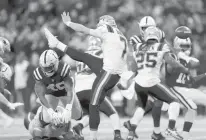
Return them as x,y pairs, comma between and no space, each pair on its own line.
184,44
107,19
4,45
6,72
152,33
49,62
145,22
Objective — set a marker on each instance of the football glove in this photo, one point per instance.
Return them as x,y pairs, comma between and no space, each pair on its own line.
67,113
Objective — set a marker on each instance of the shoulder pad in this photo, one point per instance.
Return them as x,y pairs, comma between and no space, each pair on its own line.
37,74
65,70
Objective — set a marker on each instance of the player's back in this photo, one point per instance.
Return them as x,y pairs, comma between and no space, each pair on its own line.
149,58
114,48
54,84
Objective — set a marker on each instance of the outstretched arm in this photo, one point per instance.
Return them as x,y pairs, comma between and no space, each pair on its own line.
79,27
175,64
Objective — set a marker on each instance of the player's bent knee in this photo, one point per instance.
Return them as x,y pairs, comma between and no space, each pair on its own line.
165,106
192,104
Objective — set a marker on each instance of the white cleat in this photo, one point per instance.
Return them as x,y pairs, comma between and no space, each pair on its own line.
8,122
52,40
173,133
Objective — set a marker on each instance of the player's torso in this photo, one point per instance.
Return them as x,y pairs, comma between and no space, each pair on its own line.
177,78
149,60
114,49
55,84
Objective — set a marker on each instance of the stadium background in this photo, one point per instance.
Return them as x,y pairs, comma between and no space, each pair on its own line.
22,22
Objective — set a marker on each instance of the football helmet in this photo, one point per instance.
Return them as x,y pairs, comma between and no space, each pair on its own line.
4,45
152,33
184,44
6,72
49,62
145,22
107,19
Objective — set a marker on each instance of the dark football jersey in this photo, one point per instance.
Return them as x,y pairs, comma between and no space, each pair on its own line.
176,78
55,84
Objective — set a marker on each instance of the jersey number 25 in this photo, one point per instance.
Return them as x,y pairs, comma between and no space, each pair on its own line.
56,87
146,60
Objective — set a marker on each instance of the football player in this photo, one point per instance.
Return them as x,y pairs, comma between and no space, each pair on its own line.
54,83
144,23
4,49
114,47
150,57
84,80
49,131
180,83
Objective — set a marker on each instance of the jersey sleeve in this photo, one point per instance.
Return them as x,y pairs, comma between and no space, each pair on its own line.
37,75
65,70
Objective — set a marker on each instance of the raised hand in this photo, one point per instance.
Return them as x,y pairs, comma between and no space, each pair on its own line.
65,17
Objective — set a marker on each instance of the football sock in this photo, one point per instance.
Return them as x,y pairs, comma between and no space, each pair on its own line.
173,113
94,118
115,121
138,116
156,114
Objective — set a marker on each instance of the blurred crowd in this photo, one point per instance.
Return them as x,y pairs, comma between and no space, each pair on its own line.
22,23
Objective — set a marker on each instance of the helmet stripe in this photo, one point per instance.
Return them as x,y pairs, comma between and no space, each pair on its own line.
45,56
146,20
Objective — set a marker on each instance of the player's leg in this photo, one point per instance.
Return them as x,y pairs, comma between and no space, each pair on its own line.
107,108
163,93
191,109
84,98
131,125
104,82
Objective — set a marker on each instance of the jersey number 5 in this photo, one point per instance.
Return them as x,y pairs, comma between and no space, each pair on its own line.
148,57
56,87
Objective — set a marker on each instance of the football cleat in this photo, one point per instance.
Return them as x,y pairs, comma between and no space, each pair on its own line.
173,133
52,40
158,136
78,130
132,134
118,137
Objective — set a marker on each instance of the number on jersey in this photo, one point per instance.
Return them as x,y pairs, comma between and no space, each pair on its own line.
146,60
56,87
182,78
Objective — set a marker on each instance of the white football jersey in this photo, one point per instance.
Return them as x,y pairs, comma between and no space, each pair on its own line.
114,47
149,60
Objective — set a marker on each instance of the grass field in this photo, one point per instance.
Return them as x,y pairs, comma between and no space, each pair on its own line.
18,132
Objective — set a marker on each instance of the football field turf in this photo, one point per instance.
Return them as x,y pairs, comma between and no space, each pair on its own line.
18,132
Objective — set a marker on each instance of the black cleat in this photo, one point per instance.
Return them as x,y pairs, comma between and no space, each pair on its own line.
158,136
118,137
78,130
132,134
